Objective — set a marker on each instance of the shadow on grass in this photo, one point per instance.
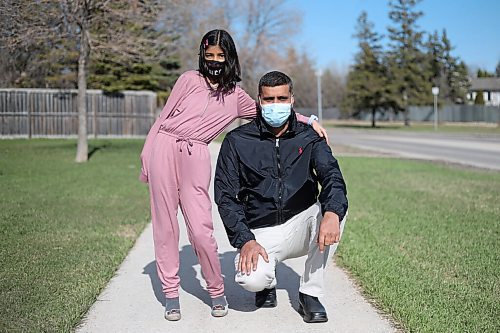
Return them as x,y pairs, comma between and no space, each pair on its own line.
93,150
238,298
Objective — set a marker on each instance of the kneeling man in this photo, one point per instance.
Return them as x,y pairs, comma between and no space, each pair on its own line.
266,189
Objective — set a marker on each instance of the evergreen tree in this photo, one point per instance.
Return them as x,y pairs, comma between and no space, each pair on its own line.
479,100
435,57
152,66
497,69
61,67
447,72
484,73
366,85
459,83
112,75
436,66
408,75
456,73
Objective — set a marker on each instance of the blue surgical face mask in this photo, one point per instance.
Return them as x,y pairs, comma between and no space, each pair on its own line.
276,114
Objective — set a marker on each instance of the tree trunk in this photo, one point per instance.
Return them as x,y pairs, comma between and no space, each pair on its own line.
373,117
407,118
82,147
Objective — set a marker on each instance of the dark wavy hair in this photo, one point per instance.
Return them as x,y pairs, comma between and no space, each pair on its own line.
232,71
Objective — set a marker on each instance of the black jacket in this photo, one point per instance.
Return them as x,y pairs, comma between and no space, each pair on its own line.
262,181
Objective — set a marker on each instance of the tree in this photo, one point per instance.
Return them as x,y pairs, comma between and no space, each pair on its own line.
484,73
447,72
265,29
435,54
261,29
479,100
408,75
188,20
113,72
333,88
456,75
7,64
28,42
301,70
497,69
460,83
91,27
366,86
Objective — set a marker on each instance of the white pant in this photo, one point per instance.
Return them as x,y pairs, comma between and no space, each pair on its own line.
295,238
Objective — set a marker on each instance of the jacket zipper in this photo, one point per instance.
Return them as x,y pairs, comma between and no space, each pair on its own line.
280,184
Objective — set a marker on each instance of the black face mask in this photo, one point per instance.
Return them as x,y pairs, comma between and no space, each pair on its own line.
215,68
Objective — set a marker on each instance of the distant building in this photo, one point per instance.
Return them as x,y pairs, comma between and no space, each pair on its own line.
490,86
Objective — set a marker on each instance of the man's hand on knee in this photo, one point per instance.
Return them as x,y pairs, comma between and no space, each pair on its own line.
329,230
249,256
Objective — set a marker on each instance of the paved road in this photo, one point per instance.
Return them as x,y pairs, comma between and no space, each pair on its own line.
470,149
132,301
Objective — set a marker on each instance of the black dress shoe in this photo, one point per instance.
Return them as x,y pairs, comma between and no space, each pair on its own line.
311,309
266,298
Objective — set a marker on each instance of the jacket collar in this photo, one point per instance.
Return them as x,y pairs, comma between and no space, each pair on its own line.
266,133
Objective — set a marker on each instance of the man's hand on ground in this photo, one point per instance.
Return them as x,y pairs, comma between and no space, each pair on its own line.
329,230
249,256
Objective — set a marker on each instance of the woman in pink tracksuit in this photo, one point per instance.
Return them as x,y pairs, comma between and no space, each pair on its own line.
176,164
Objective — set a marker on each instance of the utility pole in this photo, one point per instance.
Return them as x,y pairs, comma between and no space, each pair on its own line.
320,106
435,92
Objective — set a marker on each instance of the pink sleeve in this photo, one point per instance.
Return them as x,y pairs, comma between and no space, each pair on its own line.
177,94
247,107
301,118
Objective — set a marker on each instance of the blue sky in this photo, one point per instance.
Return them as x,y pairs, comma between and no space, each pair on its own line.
328,25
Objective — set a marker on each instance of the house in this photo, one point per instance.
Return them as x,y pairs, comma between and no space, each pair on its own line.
490,86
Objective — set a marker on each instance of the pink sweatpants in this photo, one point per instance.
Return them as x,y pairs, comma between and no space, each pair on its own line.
180,174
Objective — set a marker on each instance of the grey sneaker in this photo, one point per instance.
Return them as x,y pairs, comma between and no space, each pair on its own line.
173,315
219,310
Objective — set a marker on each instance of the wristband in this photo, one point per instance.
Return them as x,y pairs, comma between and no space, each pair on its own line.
311,119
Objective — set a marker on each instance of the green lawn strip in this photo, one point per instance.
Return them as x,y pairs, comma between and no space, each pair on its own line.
423,242
64,227
419,127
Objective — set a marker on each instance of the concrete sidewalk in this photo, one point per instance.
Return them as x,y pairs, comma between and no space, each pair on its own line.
133,300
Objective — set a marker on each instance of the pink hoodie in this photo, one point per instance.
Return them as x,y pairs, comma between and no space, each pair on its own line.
192,112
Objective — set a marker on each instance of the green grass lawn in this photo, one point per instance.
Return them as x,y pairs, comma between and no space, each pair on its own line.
419,127
64,227
423,240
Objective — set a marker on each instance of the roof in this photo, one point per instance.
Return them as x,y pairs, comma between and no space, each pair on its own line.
485,84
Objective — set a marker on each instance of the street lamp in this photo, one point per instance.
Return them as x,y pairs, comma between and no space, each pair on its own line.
435,92
320,107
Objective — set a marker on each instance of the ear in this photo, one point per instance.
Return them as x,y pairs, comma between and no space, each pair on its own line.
260,101
292,100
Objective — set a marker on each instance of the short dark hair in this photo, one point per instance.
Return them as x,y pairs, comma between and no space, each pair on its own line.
274,79
232,71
